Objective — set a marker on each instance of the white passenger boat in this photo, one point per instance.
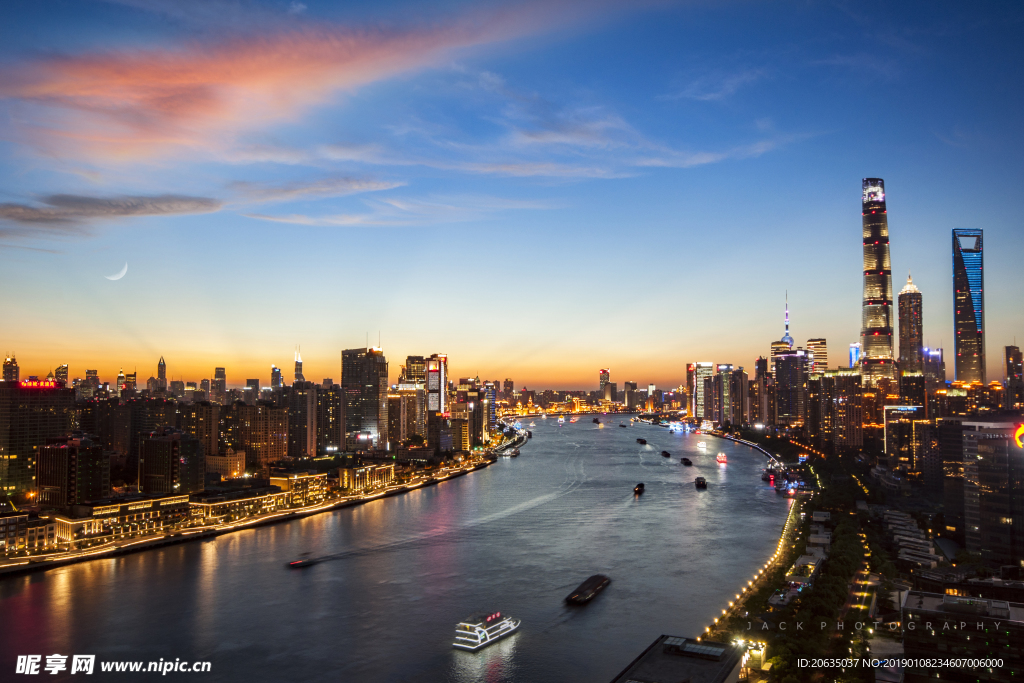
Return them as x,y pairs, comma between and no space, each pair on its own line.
481,630
701,444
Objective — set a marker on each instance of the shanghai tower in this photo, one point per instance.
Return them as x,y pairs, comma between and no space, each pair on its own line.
876,320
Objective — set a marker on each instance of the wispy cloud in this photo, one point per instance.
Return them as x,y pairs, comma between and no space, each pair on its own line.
67,211
314,189
716,85
413,212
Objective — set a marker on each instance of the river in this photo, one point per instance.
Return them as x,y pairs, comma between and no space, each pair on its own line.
515,537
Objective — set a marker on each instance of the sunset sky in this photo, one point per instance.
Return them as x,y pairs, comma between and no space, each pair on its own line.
538,189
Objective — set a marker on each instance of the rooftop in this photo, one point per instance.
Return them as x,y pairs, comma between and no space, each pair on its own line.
919,601
673,658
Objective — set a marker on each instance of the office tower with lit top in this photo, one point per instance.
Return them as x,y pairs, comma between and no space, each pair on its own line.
11,371
603,377
161,373
877,360
818,347
911,334
968,306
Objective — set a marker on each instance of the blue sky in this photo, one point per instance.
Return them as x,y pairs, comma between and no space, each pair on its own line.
537,189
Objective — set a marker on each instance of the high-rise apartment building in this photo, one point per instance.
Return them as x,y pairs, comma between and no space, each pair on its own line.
61,374
302,414
261,431
330,419
910,304
201,421
71,471
968,306
171,462
818,347
877,360
508,388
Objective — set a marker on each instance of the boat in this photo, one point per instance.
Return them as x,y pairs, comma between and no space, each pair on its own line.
642,442
529,434
514,453
533,424
573,419
639,488
765,476
596,421
481,630
586,591
600,425
561,419
700,482
666,454
687,462
623,426
701,444
544,416
303,562
721,458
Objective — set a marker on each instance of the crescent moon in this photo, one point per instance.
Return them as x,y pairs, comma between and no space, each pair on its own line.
119,275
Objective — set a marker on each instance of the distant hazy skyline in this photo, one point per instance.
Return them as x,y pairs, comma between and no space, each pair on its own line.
538,189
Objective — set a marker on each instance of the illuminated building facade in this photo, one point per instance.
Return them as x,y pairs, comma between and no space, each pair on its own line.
968,306
171,462
818,347
993,467
437,383
701,372
910,303
161,374
302,414
906,436
791,387
61,374
298,367
276,378
31,413
201,420
603,377
854,355
876,318
364,379
330,419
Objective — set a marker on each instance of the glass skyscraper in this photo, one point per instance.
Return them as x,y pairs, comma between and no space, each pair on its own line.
968,305
876,321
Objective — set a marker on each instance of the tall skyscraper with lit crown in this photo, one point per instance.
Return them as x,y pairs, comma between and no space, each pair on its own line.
877,360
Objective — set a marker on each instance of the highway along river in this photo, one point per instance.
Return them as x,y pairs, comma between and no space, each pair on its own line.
516,537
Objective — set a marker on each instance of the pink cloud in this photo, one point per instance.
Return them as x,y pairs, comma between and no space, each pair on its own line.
141,104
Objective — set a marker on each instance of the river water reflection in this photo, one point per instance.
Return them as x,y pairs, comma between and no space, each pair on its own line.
515,537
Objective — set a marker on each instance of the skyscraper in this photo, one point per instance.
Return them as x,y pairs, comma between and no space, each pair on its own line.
968,305
819,348
603,377
276,381
791,387
437,383
700,372
911,335
61,374
364,380
876,320
1013,372
161,373
415,370
298,367
854,355
11,371
220,384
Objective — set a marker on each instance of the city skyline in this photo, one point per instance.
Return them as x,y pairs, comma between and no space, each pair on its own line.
442,134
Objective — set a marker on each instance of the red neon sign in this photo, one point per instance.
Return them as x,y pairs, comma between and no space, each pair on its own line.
39,384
